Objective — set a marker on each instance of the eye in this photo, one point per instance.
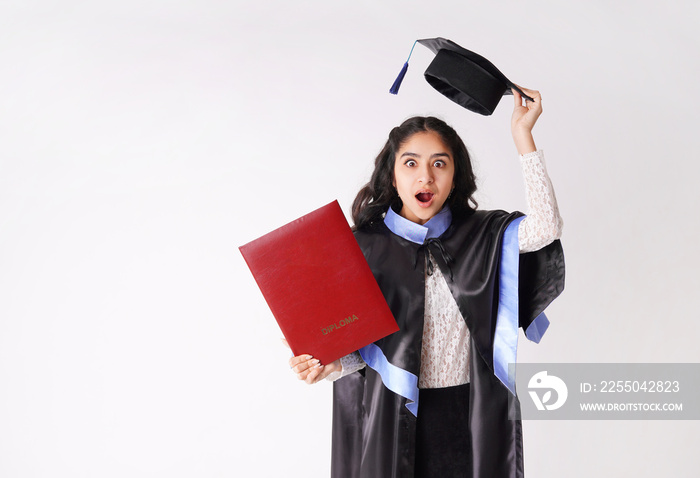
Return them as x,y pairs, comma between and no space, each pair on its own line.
439,163
410,163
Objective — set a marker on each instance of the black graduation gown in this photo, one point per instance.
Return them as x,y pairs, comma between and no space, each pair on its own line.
373,432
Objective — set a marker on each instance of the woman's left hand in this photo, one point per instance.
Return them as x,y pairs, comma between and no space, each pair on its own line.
524,119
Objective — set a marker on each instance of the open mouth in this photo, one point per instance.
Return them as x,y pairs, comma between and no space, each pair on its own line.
424,197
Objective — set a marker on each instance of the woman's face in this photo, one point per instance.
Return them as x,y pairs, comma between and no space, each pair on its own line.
423,175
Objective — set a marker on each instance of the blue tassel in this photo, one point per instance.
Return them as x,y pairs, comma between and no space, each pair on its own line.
397,83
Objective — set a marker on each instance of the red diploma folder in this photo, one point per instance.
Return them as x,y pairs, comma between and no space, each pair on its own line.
319,286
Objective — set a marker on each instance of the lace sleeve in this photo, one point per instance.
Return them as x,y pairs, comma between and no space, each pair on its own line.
543,223
350,363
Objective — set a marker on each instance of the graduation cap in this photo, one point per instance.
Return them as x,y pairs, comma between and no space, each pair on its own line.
465,77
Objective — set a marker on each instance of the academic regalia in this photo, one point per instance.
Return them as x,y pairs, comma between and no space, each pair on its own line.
374,428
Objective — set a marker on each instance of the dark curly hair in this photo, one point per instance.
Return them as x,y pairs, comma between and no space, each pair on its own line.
379,194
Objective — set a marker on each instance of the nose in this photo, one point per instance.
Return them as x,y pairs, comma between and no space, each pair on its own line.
425,175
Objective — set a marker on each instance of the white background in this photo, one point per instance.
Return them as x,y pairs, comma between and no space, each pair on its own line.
142,142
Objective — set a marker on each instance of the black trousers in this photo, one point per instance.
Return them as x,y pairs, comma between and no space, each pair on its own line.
443,444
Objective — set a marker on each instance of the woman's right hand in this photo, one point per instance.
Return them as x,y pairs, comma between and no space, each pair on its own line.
309,369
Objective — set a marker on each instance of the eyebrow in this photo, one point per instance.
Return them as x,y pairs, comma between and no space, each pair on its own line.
434,155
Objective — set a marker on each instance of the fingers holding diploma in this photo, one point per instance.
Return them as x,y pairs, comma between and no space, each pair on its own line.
310,369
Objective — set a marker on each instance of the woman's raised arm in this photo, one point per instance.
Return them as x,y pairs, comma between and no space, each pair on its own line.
543,223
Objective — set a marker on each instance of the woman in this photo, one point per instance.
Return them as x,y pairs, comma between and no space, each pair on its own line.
434,398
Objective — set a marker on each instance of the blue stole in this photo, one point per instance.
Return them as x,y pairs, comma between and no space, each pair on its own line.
505,344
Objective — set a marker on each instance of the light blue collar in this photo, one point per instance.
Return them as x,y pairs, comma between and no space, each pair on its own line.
413,232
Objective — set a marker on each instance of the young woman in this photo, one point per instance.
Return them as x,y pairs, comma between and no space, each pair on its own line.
434,398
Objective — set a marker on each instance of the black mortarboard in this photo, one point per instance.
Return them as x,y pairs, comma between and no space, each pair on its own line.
465,77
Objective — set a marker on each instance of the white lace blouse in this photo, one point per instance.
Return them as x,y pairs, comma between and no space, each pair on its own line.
445,352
